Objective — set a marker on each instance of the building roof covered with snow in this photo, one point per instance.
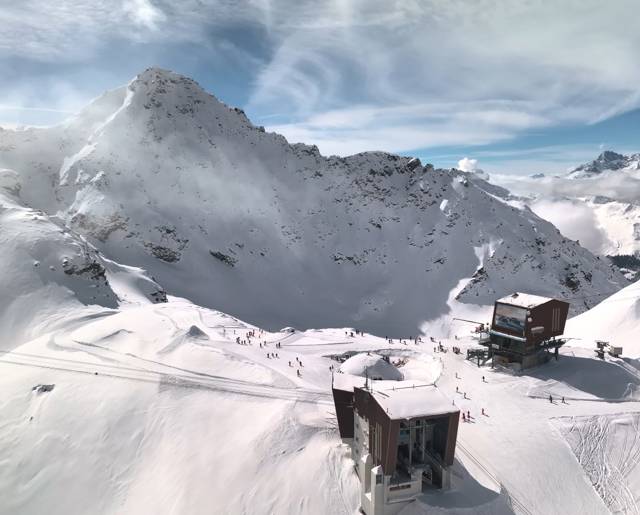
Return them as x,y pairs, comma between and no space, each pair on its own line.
525,300
413,401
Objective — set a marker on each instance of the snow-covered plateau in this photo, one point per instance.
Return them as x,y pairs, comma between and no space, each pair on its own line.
154,245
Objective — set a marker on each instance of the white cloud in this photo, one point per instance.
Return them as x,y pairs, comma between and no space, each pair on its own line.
44,102
575,220
468,165
144,13
405,127
620,185
462,53
421,73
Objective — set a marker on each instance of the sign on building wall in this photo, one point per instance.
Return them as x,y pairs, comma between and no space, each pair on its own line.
511,318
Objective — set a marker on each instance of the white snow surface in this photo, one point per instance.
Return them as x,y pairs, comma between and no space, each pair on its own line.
370,365
607,446
156,409
412,400
47,272
525,300
616,320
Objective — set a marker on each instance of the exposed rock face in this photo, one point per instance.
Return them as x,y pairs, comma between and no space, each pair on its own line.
225,258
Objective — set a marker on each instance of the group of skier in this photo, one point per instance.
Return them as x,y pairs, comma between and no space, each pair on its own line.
466,417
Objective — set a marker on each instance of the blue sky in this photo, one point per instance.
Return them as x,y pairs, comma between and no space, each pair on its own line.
520,86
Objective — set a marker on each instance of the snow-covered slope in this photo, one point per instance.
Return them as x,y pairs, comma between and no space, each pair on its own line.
161,175
155,409
616,320
47,271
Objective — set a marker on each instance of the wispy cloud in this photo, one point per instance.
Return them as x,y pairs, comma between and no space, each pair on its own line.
352,75
553,63
41,102
36,109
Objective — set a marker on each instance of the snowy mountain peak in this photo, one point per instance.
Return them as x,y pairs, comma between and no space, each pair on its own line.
156,83
162,176
163,92
607,160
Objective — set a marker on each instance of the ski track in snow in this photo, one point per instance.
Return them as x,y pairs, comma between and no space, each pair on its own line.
610,465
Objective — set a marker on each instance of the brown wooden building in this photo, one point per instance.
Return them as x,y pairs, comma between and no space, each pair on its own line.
408,430
525,327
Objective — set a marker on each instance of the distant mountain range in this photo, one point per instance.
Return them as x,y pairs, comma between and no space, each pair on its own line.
606,161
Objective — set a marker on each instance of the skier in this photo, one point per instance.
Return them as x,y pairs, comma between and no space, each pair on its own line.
483,411
550,399
483,379
468,415
464,419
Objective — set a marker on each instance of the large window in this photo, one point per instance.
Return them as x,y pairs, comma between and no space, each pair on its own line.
555,320
510,318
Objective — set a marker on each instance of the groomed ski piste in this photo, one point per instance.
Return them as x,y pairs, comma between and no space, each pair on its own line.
173,408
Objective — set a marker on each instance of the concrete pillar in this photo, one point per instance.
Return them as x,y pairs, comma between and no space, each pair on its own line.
378,488
366,463
446,478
